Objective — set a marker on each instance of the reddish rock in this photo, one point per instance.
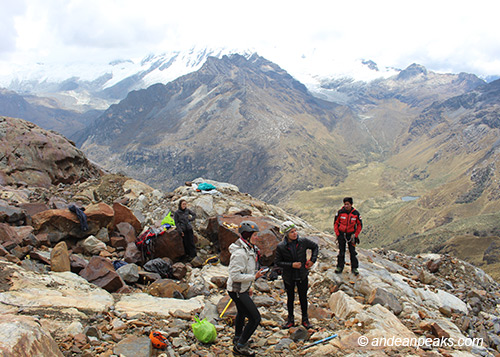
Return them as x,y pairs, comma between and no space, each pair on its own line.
8,236
433,265
59,258
223,231
100,271
42,239
118,242
3,251
169,244
61,224
33,208
126,230
132,254
40,256
148,277
25,234
316,312
219,281
438,331
77,263
124,214
179,271
168,288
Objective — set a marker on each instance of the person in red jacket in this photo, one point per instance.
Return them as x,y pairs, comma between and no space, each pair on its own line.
347,226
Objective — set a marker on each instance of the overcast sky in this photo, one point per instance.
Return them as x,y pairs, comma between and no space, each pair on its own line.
445,36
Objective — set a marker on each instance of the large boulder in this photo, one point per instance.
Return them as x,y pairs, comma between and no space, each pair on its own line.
124,214
41,157
223,230
169,245
60,224
101,272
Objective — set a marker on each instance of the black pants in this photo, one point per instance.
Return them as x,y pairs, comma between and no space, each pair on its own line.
302,286
245,308
188,242
347,239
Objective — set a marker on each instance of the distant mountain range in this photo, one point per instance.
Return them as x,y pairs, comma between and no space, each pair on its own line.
244,121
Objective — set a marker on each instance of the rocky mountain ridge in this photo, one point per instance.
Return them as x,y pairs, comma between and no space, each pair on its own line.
244,121
60,294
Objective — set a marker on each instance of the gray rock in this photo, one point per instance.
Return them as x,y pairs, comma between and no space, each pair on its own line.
385,298
129,273
134,346
264,300
262,285
299,333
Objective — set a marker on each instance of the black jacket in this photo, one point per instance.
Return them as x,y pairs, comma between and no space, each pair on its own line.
183,219
286,255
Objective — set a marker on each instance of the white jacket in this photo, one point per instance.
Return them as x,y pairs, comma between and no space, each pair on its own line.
241,267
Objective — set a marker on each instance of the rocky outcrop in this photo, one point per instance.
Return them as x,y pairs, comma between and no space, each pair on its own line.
23,336
36,157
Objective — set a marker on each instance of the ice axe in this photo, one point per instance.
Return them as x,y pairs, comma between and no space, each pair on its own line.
320,341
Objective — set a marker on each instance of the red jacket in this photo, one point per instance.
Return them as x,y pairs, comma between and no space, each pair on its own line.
347,222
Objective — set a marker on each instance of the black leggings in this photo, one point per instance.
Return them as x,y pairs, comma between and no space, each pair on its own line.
246,308
188,242
343,239
302,286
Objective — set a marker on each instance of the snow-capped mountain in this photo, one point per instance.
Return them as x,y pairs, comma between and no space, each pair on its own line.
100,84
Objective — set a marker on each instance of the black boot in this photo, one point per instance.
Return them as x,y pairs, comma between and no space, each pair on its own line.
243,350
288,324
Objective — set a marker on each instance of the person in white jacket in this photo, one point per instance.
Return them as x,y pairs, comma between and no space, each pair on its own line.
242,273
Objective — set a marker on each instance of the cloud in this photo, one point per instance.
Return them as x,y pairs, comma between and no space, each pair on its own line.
8,33
442,35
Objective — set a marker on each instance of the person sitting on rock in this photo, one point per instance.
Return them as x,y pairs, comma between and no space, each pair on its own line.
242,266
292,259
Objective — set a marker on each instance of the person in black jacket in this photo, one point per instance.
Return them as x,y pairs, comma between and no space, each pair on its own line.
183,218
291,258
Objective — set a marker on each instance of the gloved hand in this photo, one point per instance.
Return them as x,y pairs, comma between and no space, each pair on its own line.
356,240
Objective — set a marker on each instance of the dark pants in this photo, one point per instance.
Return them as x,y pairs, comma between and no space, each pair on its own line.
343,239
245,308
188,242
302,286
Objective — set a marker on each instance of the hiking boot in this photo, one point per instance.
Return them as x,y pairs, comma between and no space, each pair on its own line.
339,270
355,271
243,350
306,324
289,324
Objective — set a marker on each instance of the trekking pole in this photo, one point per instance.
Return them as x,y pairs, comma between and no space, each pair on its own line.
320,341
224,311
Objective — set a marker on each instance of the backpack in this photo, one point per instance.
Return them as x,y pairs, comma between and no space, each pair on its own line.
146,241
168,220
